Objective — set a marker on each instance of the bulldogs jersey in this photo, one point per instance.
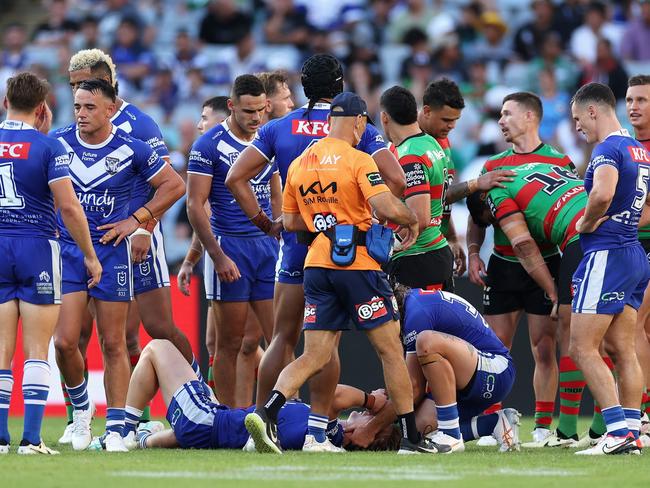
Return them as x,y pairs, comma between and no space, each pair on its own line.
29,162
632,162
213,154
103,174
286,138
446,312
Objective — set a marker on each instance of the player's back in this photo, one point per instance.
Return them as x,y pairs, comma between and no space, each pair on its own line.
632,162
287,137
451,314
29,162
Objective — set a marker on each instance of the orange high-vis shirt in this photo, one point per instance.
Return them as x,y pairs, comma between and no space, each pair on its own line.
330,183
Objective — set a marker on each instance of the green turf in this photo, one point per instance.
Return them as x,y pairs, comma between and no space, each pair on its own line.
478,467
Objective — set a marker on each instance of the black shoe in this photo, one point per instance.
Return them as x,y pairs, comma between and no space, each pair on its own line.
424,446
263,431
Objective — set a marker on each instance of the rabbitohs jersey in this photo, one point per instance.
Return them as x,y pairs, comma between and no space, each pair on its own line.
509,159
451,174
551,198
423,162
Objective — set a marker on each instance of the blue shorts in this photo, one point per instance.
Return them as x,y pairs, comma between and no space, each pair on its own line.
30,270
607,280
491,384
116,284
333,297
255,257
191,414
291,262
152,273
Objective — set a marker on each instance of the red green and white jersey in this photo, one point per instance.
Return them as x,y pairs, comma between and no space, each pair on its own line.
509,159
644,232
451,174
552,199
423,162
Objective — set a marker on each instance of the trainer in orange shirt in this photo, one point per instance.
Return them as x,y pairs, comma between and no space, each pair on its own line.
329,192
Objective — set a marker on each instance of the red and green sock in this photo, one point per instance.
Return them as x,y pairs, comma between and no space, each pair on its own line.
146,412
210,373
572,384
544,414
494,408
645,402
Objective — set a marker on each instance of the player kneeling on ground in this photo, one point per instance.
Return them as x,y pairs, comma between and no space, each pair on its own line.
450,346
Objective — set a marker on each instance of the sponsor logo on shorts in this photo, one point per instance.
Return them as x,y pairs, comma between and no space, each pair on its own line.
490,380
374,178
44,276
310,314
121,278
371,310
613,296
393,302
44,285
145,268
574,290
175,416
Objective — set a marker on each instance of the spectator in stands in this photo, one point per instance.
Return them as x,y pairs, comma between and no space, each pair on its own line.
469,27
417,14
528,38
378,19
193,87
14,41
286,24
552,57
607,69
248,59
88,35
584,39
448,60
417,68
164,92
555,104
111,16
493,47
569,15
636,38
58,28
224,23
476,87
134,61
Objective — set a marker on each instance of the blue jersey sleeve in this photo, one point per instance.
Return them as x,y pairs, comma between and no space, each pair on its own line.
605,154
371,141
202,157
58,162
147,162
265,141
148,131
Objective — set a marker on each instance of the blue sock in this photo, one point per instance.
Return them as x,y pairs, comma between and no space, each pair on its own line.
6,385
316,426
115,420
480,426
448,422
131,418
36,387
633,419
335,432
615,421
197,369
79,396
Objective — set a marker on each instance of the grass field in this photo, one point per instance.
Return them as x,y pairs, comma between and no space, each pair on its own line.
477,467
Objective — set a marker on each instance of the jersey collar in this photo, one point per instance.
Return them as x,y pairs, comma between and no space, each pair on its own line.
318,106
15,125
622,132
101,144
120,110
225,125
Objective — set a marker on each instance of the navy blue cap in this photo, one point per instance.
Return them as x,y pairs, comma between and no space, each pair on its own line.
348,104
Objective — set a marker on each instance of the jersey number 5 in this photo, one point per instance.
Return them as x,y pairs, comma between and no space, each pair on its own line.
641,187
9,197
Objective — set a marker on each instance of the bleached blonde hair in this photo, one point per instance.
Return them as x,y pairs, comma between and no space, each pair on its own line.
88,58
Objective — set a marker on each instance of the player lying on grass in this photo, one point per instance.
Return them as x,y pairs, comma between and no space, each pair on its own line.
198,421
450,347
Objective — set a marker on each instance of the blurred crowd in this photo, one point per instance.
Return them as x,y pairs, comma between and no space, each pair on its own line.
174,54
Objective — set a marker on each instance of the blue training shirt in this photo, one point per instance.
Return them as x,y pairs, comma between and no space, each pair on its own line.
212,155
29,162
103,174
451,314
632,162
286,138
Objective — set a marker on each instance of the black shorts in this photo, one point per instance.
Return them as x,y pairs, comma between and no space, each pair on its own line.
570,260
646,247
509,288
431,270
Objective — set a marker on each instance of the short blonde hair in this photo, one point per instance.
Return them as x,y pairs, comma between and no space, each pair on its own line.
91,58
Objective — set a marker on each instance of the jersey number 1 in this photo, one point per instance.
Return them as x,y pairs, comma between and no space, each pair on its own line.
9,198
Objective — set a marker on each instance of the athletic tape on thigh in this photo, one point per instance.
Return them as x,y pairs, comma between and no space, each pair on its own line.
429,358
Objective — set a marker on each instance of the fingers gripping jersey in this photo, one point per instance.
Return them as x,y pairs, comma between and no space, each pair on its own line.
212,155
448,313
509,159
102,175
551,198
424,164
29,162
632,162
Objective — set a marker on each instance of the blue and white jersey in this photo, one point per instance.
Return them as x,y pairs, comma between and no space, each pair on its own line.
448,313
286,138
103,174
29,162
212,155
632,162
